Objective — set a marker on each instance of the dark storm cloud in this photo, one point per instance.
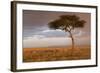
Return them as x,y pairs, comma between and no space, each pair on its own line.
34,22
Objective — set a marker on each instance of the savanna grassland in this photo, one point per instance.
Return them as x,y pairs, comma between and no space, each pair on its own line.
55,54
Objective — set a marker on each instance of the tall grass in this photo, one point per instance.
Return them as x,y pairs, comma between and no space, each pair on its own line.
55,54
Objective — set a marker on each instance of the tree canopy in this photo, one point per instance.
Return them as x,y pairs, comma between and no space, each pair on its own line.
67,23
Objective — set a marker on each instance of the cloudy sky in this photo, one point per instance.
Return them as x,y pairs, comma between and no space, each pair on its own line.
36,32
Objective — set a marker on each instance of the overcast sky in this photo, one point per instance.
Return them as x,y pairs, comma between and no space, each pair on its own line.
36,32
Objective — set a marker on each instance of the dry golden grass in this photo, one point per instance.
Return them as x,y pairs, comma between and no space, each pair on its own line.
55,54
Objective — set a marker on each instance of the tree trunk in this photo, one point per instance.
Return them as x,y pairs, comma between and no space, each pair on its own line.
72,50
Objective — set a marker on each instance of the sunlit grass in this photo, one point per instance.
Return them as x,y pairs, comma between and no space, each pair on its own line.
55,54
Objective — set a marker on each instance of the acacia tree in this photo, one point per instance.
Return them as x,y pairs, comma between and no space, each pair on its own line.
67,23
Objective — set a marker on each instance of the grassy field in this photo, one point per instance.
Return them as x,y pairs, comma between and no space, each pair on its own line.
55,54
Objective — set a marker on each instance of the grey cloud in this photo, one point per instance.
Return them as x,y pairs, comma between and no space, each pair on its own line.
36,21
